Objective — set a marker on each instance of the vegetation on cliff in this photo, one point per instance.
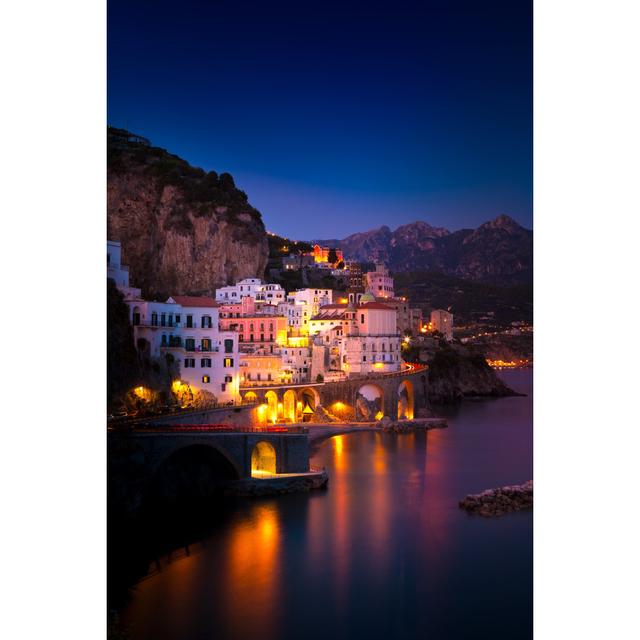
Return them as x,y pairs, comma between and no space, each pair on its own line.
122,359
130,369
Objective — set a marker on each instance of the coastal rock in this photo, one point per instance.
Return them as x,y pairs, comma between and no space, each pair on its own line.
407,426
497,502
322,416
278,485
457,372
367,409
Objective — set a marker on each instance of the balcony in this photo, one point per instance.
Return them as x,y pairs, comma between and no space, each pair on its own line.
175,343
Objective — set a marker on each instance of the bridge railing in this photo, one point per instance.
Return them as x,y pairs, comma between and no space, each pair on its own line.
212,428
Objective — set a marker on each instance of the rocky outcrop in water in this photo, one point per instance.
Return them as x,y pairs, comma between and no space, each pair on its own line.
457,371
278,485
497,502
408,426
183,230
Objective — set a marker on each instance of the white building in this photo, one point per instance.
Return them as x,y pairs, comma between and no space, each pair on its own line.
254,288
187,327
302,305
296,362
208,357
380,283
118,272
442,321
357,339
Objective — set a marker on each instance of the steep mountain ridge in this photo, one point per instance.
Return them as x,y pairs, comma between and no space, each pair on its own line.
499,251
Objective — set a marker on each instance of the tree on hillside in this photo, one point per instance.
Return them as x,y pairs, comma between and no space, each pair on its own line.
333,256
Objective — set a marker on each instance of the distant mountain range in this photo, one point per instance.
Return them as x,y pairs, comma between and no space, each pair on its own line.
498,252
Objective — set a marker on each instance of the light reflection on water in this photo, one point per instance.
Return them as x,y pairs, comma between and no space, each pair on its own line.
383,553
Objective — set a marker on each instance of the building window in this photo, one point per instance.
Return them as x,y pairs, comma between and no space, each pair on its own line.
364,358
189,322
177,319
223,386
206,379
189,363
240,338
228,362
228,378
154,319
228,346
205,362
205,344
362,318
163,319
190,344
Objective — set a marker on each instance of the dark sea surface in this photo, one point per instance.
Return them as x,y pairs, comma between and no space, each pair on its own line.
384,552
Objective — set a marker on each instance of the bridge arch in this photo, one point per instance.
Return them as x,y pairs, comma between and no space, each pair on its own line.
370,402
289,401
250,396
263,458
189,476
406,402
272,406
309,399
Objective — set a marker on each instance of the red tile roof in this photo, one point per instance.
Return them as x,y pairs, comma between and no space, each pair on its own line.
195,301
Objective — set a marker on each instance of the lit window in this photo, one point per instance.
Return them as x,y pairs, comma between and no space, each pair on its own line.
206,379
228,362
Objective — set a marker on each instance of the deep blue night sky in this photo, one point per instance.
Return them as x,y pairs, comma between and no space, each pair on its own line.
337,117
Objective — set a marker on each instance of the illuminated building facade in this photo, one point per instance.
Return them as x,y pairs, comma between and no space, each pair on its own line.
302,305
409,319
257,333
254,288
321,254
187,328
380,283
356,339
442,321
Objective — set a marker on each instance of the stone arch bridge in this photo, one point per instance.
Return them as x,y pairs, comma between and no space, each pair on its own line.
141,458
398,395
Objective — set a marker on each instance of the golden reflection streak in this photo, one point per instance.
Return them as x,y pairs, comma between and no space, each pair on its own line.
342,524
254,557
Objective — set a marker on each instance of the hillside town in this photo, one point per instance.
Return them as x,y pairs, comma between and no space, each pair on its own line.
255,334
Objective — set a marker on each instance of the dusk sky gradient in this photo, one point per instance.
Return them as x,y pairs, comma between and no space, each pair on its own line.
337,117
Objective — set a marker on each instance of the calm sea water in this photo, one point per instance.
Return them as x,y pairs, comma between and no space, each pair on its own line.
385,552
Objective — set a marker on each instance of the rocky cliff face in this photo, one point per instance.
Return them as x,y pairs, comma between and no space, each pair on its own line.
183,231
498,252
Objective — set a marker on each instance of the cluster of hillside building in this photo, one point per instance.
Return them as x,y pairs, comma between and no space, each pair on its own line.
255,334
